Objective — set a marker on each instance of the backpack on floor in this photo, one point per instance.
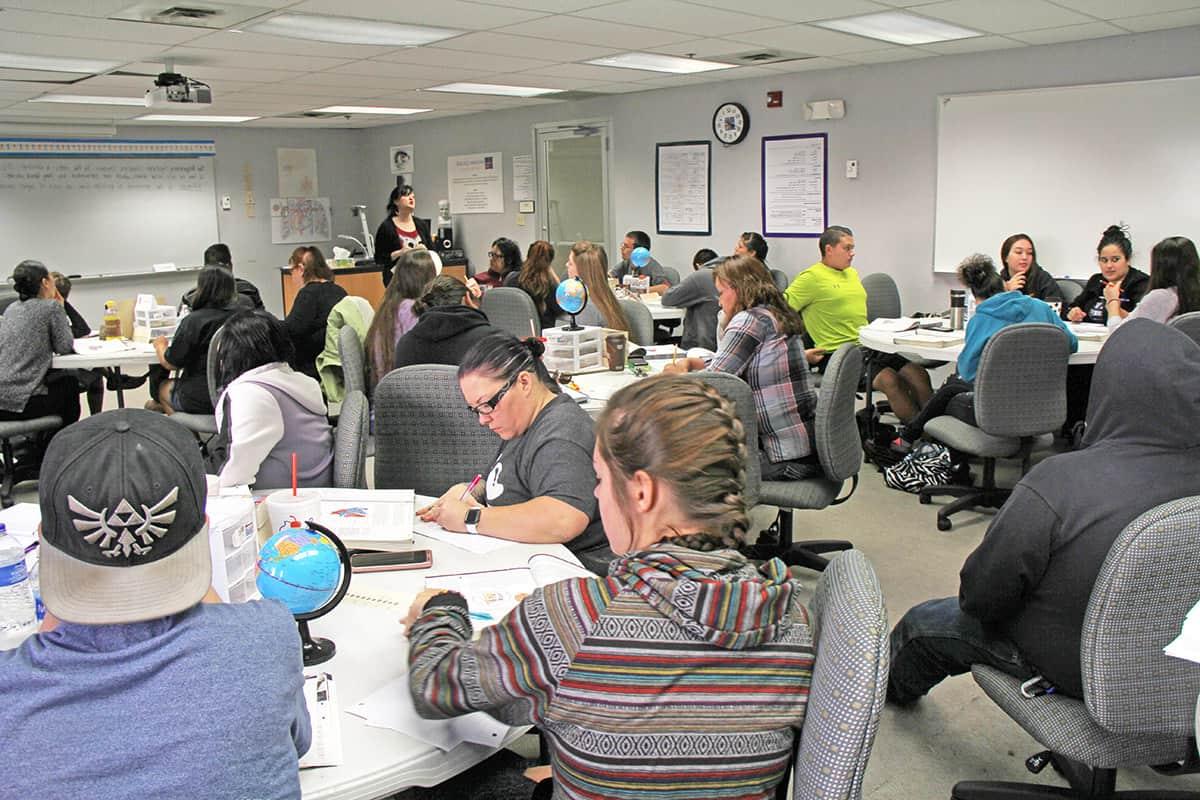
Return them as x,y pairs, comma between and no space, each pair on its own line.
927,464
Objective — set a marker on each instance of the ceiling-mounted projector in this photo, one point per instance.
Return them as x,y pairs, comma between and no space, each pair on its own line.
171,88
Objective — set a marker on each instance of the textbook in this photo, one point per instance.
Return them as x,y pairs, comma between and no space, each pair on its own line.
901,324
931,338
369,519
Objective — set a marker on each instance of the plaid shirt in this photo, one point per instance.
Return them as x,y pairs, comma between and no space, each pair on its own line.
774,365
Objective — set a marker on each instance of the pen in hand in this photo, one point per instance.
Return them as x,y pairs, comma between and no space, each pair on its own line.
470,487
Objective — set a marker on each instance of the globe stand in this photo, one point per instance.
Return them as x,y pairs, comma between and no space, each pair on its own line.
574,326
319,650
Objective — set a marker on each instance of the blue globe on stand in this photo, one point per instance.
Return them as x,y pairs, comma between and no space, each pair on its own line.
572,298
640,257
307,568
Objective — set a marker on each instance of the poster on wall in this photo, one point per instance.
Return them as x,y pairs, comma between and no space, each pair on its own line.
682,173
522,178
402,160
795,191
299,220
297,168
476,183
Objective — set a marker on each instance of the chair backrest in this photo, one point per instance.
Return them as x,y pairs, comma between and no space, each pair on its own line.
641,323
780,278
350,442
1070,289
849,680
1021,384
738,392
511,309
883,298
672,275
350,351
1149,581
425,438
210,365
1189,323
838,445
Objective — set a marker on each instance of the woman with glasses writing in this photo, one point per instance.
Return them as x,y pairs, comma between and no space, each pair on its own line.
540,489
504,259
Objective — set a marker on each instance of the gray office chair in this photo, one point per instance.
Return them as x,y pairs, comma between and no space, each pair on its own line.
426,439
738,392
883,296
17,473
849,681
840,453
204,426
350,442
641,322
1070,289
1138,705
512,309
672,275
1188,323
781,279
1020,395
350,351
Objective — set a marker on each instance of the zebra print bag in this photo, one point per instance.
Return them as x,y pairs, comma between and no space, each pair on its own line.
927,464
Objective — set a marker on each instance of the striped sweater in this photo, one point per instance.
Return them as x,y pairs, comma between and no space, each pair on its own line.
681,675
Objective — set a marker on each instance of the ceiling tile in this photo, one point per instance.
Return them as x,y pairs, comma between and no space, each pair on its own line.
808,64
595,32
36,44
462,59
83,8
553,6
362,85
711,48
442,14
589,72
296,48
814,41
508,45
1012,15
1070,33
800,10
887,55
435,100
213,74
1155,22
978,44
543,81
251,59
102,29
679,17
617,88
1111,9
388,69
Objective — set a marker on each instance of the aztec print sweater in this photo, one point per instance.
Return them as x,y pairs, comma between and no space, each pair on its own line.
681,675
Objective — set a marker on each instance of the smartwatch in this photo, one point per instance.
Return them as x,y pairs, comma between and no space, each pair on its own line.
472,518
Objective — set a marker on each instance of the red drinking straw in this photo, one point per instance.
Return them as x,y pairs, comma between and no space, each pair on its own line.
293,474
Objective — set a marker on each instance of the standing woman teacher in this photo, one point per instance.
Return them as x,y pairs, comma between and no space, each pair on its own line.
400,231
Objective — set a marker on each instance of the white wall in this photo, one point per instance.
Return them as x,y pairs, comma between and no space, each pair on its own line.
890,127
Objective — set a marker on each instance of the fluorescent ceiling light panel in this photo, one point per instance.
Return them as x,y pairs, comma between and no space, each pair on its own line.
90,100
371,110
492,88
343,30
654,62
899,27
189,118
84,66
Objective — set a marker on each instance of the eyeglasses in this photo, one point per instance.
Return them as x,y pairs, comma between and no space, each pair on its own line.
494,254
489,406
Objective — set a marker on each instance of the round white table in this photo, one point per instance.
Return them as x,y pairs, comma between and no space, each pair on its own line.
883,342
91,353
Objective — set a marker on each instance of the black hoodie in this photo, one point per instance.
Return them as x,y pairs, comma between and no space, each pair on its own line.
442,335
1032,575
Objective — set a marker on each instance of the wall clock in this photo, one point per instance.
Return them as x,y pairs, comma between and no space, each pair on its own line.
731,123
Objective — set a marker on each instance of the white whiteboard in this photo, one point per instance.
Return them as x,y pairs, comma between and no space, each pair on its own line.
1063,164
91,216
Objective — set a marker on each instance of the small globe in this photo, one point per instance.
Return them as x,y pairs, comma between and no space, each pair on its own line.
640,257
300,568
571,295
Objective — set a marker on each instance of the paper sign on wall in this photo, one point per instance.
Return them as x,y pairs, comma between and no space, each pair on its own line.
476,183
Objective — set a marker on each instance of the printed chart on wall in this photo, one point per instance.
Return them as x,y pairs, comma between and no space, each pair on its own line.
476,183
682,176
795,190
297,220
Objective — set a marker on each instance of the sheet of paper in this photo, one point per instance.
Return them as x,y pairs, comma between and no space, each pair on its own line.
490,594
21,521
391,706
547,569
320,695
1187,644
470,542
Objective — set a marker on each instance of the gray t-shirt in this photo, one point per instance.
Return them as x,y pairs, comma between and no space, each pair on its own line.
553,458
654,269
31,332
697,295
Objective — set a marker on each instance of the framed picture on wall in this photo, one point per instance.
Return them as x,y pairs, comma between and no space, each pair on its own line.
682,188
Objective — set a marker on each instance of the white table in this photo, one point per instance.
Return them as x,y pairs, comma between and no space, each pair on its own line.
90,353
372,650
658,311
883,342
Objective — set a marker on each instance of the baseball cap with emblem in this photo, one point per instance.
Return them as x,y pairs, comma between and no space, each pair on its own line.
124,535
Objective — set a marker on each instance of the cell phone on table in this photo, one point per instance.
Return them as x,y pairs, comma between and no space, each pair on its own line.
387,562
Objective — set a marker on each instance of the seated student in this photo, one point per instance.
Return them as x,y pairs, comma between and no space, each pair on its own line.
414,271
33,330
504,260
996,309
218,255
702,257
645,683
1117,285
1174,283
188,349
1023,274
833,303
267,411
1024,590
751,244
449,323
589,263
659,282
539,280
763,346
306,322
142,683
539,489
697,295
91,381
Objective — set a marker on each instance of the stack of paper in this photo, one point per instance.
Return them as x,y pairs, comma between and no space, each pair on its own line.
926,338
1089,331
1187,644
371,519
392,707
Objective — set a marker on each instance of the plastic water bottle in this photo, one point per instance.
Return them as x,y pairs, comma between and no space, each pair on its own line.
18,616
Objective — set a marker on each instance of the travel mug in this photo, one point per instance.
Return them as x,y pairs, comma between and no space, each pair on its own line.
614,350
958,307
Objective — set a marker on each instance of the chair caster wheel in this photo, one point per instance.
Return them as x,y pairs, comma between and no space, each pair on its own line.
943,524
924,499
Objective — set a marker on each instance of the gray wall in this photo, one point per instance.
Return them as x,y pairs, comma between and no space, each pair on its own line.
890,127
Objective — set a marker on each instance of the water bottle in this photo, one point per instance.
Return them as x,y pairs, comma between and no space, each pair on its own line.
18,617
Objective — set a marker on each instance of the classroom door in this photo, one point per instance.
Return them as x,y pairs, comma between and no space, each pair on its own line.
572,169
